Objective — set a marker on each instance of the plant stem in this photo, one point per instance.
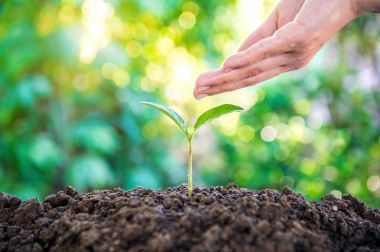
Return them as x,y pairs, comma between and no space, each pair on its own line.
190,170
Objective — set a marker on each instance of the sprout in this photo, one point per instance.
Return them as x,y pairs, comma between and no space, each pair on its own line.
189,131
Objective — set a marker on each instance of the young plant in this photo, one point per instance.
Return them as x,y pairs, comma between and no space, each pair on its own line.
190,130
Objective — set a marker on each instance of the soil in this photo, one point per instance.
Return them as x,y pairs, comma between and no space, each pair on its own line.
214,219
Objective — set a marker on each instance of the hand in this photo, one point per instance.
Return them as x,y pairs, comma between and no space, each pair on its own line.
286,41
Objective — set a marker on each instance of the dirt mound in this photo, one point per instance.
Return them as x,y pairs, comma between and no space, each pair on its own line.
214,219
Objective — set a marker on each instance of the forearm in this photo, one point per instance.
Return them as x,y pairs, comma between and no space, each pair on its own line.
365,6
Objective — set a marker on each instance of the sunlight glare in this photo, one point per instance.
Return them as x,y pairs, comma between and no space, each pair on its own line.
95,37
249,16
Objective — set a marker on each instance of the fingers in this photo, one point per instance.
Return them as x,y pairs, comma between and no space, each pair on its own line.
261,50
250,81
203,79
207,76
265,30
292,37
249,71
243,80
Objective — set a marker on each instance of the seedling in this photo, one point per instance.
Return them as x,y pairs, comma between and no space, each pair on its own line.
190,130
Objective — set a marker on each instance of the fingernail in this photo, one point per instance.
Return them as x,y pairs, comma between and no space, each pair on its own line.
201,96
202,88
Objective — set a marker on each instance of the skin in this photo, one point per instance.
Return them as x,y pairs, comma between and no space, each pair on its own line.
288,40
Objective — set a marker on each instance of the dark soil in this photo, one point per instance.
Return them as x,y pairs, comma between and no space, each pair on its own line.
214,219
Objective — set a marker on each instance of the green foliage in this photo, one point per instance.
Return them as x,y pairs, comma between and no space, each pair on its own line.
177,119
214,113
89,171
44,153
67,112
207,116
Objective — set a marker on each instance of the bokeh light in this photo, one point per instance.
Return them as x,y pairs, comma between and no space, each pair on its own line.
70,112
95,14
268,133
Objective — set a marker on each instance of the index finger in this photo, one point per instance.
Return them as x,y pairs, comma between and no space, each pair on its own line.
263,49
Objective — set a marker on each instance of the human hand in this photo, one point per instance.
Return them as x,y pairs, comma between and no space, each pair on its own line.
287,40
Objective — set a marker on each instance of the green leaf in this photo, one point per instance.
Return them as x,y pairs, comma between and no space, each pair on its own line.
170,113
216,112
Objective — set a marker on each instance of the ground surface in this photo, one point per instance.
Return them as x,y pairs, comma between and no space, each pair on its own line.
214,219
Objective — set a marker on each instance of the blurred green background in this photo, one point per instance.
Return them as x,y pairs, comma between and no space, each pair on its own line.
72,74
